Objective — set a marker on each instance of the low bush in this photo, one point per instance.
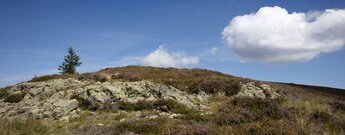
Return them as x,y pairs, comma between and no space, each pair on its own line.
337,125
189,80
245,110
232,115
165,126
140,105
321,117
230,88
328,121
4,92
127,76
51,77
261,107
337,106
101,78
15,98
268,127
165,105
170,105
144,126
196,116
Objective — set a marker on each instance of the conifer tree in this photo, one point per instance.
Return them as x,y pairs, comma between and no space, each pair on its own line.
71,61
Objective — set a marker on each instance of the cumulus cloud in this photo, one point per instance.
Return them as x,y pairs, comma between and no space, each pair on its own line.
272,35
162,58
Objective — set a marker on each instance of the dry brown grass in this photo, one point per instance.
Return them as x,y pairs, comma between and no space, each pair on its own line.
22,127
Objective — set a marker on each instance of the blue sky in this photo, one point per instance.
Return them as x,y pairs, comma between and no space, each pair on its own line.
35,36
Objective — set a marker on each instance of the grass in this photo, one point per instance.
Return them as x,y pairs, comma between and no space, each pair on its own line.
23,127
301,110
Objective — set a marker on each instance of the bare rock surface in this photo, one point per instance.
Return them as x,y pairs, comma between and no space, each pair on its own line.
259,91
61,98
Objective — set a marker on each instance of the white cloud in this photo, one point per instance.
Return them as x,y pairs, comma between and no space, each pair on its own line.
162,58
273,35
214,51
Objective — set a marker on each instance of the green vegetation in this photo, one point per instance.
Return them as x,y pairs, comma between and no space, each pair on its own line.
4,91
71,61
22,127
15,98
164,105
301,110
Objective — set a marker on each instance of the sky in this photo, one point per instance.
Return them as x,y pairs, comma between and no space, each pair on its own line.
294,41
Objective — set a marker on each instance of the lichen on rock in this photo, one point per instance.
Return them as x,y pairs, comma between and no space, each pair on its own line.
60,98
252,90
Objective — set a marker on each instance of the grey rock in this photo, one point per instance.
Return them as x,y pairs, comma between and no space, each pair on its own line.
252,90
59,99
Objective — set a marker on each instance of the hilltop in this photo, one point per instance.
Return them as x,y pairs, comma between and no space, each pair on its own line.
151,100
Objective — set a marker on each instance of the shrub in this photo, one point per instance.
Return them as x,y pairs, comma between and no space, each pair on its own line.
205,130
101,77
172,106
330,122
51,77
140,105
15,98
144,126
232,115
321,117
127,76
268,127
196,116
230,88
4,92
165,105
244,110
182,79
337,105
261,107
337,125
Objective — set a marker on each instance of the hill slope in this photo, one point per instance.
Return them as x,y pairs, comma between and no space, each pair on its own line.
150,100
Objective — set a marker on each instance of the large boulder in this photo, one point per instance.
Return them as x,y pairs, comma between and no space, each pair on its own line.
259,91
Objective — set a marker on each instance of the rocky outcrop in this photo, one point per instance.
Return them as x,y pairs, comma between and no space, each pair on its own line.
62,98
252,90
99,94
